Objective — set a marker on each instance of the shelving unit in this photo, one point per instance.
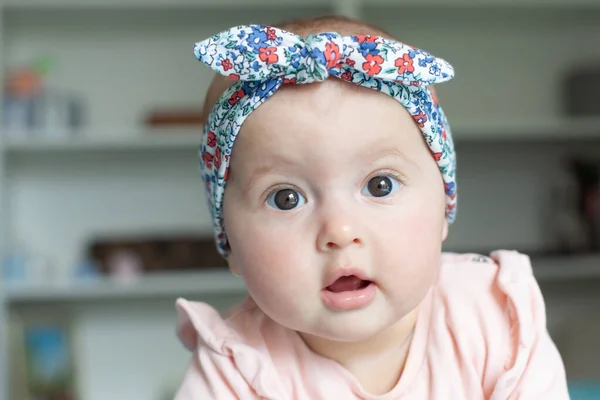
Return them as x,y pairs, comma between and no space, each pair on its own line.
126,57
220,281
168,140
186,139
162,286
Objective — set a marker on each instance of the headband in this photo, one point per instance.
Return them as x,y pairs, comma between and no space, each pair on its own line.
263,58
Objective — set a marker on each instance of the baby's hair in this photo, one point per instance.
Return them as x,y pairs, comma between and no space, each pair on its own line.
345,26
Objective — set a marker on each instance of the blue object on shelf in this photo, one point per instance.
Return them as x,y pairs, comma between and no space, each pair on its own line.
14,268
584,390
87,270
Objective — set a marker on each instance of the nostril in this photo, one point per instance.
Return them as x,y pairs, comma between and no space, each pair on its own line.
333,245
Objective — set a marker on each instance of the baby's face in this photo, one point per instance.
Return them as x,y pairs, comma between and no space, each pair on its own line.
330,179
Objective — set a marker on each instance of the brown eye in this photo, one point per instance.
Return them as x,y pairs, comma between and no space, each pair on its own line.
285,199
380,186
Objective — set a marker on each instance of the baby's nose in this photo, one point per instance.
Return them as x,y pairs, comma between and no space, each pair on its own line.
338,232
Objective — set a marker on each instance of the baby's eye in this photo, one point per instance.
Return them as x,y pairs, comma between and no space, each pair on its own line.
380,186
285,199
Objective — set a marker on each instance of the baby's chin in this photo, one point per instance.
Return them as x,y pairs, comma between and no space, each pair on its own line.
353,326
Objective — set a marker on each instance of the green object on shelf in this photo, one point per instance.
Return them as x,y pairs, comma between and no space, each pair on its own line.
43,65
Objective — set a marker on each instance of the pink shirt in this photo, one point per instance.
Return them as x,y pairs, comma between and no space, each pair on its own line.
480,334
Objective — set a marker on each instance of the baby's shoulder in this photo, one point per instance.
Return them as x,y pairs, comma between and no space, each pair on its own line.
491,307
232,351
201,322
495,289
495,277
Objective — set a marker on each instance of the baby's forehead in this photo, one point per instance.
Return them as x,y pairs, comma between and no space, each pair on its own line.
321,103
333,114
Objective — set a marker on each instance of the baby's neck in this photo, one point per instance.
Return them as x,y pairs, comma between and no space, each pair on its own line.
377,362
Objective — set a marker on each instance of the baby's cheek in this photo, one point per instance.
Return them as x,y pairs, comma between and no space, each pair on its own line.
415,245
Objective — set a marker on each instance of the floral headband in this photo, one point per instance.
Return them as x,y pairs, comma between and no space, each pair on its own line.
263,58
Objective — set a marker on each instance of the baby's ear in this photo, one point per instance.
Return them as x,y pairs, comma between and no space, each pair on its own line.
445,230
433,92
232,265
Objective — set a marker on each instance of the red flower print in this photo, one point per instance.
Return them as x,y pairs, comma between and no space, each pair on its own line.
289,80
349,62
208,159
217,158
271,35
226,175
366,38
268,55
227,65
347,76
420,119
211,140
405,64
234,77
444,135
332,54
373,64
437,156
236,97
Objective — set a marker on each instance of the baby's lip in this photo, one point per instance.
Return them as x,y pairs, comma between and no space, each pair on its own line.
346,271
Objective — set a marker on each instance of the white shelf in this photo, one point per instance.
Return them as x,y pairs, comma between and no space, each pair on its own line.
482,4
227,4
222,282
567,267
162,286
558,129
146,4
164,139
189,138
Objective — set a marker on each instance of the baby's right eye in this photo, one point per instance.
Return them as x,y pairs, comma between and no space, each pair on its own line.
285,199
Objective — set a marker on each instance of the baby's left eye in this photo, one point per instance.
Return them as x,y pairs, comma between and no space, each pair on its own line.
380,186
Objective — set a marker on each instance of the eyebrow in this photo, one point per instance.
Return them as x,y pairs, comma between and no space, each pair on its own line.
387,152
378,153
369,156
265,169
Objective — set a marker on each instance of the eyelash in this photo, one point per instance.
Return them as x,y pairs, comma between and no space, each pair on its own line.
386,172
277,188
391,173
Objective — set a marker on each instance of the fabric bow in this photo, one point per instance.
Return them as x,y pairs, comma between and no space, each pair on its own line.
257,52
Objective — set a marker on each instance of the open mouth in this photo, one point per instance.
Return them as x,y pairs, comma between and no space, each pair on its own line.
349,292
348,284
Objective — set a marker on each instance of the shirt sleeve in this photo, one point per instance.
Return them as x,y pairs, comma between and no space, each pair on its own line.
205,379
213,373
534,369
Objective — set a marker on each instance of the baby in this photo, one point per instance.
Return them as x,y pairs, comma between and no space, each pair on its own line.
330,173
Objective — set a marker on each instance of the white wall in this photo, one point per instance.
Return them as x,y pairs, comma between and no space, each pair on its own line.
127,62
509,63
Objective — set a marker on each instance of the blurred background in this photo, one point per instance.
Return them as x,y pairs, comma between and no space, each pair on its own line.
103,219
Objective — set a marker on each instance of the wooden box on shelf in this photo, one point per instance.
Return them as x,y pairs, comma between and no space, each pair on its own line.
157,254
